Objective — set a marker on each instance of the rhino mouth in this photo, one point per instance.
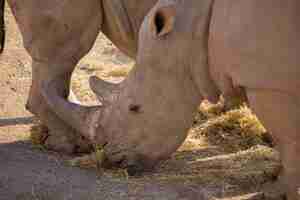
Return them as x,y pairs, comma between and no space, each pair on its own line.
135,165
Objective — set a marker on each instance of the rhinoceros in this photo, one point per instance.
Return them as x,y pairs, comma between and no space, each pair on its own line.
195,49
188,50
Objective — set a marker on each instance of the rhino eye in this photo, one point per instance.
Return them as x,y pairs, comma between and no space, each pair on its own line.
135,108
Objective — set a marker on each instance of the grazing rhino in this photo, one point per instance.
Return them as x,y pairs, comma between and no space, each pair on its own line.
57,34
196,49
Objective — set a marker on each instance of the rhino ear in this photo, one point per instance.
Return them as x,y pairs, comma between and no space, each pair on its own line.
103,89
163,20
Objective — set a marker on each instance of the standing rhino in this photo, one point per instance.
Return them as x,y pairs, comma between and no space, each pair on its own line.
194,49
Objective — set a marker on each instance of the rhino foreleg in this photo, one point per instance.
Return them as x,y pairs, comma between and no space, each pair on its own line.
280,114
56,34
61,136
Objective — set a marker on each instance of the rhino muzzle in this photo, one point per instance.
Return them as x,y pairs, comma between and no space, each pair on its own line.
136,164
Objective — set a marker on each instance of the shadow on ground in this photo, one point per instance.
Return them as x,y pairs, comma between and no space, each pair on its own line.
16,121
27,174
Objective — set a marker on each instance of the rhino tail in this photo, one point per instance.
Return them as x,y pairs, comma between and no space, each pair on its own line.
2,25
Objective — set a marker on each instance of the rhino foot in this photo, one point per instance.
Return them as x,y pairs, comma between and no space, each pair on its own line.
58,136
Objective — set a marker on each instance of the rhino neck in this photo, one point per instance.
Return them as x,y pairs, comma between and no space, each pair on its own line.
122,21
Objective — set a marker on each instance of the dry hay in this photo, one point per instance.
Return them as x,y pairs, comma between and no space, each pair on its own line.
38,134
233,130
234,173
244,169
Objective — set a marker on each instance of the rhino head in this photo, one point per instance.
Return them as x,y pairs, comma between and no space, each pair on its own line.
146,117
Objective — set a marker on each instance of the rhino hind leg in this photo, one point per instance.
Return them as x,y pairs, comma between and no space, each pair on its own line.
280,114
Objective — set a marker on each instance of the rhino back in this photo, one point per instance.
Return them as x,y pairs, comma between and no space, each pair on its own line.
256,43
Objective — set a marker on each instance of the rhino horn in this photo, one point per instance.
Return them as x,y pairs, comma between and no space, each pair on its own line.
103,89
81,118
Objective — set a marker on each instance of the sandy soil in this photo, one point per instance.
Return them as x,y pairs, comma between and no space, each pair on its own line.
201,169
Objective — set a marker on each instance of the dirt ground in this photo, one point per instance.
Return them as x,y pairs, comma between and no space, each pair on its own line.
217,161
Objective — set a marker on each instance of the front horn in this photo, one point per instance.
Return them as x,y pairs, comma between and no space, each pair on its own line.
81,118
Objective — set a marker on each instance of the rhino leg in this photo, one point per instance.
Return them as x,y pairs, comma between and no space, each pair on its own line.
56,34
61,137
280,114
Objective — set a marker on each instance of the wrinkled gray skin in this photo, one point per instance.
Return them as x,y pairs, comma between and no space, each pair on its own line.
188,47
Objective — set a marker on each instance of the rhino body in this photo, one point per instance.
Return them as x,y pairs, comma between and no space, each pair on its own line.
255,45
188,50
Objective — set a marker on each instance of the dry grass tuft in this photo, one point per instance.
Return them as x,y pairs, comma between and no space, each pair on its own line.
38,134
118,72
208,110
97,160
94,160
234,172
237,129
